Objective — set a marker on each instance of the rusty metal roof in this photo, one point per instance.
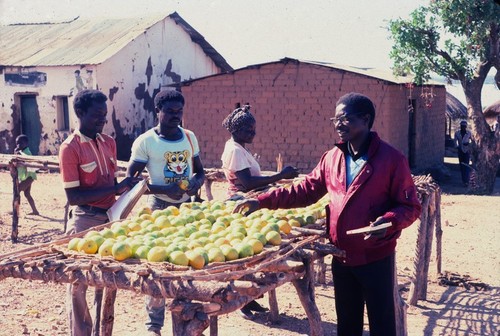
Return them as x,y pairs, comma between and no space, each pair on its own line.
80,42
379,74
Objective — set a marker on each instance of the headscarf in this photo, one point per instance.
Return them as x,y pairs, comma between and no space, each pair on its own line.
238,119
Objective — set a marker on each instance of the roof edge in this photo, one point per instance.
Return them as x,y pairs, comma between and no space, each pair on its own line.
197,38
358,71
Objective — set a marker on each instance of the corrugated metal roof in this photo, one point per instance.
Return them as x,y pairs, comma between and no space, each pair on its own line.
384,75
83,41
72,43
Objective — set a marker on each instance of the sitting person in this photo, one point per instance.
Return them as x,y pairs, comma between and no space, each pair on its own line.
243,171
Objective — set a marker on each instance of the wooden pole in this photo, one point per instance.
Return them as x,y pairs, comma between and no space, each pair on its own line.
108,312
214,328
190,320
66,213
274,313
439,232
431,219
419,258
400,306
208,189
305,290
320,269
16,201
96,329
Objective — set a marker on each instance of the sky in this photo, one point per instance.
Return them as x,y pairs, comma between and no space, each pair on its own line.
246,32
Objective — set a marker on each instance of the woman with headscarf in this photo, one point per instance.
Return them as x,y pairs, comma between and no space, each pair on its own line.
241,169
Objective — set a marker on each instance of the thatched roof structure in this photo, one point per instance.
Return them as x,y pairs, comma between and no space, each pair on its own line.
454,108
492,111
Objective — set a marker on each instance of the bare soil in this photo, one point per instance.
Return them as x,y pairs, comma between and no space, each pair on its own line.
470,247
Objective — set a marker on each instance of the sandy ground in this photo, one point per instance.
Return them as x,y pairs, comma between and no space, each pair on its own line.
470,247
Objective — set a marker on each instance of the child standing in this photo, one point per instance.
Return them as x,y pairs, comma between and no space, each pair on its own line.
26,177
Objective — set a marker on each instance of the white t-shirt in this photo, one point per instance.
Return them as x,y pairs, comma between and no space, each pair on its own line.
236,158
166,161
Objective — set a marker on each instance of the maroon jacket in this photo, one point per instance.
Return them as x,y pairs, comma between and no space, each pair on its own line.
383,187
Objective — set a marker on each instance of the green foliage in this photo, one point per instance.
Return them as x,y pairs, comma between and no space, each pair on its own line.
449,37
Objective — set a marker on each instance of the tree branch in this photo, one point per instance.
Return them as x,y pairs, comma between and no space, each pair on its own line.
460,74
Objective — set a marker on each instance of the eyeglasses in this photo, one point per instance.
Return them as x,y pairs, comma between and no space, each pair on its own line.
344,120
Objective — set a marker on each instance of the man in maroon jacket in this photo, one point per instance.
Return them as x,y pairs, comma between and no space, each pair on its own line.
369,183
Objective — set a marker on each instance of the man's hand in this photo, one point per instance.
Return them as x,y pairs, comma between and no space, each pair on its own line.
194,185
246,207
289,172
379,233
126,184
174,191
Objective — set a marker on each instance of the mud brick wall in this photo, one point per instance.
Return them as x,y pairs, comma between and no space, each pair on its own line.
293,103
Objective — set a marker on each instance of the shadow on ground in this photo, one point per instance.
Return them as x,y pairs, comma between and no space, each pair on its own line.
449,179
465,313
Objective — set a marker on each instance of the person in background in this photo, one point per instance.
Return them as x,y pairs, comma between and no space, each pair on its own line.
243,171
463,140
369,183
25,176
171,155
88,164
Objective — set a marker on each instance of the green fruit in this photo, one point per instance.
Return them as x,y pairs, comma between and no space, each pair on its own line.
73,244
142,252
179,258
157,254
244,250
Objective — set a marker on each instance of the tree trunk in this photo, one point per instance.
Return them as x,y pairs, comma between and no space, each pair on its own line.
486,148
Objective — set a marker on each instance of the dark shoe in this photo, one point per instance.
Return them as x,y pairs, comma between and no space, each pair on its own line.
154,333
246,313
256,307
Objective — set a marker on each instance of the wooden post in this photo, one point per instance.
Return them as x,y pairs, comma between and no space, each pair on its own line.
431,219
16,200
108,312
190,321
66,213
439,231
417,276
400,306
96,329
214,328
208,189
305,290
274,313
320,269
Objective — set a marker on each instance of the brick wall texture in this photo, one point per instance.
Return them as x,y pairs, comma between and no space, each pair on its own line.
292,103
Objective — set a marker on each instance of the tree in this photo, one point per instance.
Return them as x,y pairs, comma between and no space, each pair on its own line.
457,39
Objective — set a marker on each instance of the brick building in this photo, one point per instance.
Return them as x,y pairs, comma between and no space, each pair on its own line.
293,100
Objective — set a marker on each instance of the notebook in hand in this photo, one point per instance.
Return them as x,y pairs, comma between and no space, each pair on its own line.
126,202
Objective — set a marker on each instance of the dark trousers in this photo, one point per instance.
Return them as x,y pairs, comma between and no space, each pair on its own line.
372,284
464,160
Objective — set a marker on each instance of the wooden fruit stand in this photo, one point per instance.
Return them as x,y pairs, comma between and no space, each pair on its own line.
197,296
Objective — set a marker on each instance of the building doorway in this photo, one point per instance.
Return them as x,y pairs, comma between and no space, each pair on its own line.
30,122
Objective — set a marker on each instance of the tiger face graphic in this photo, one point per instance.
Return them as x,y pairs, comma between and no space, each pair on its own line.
177,162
